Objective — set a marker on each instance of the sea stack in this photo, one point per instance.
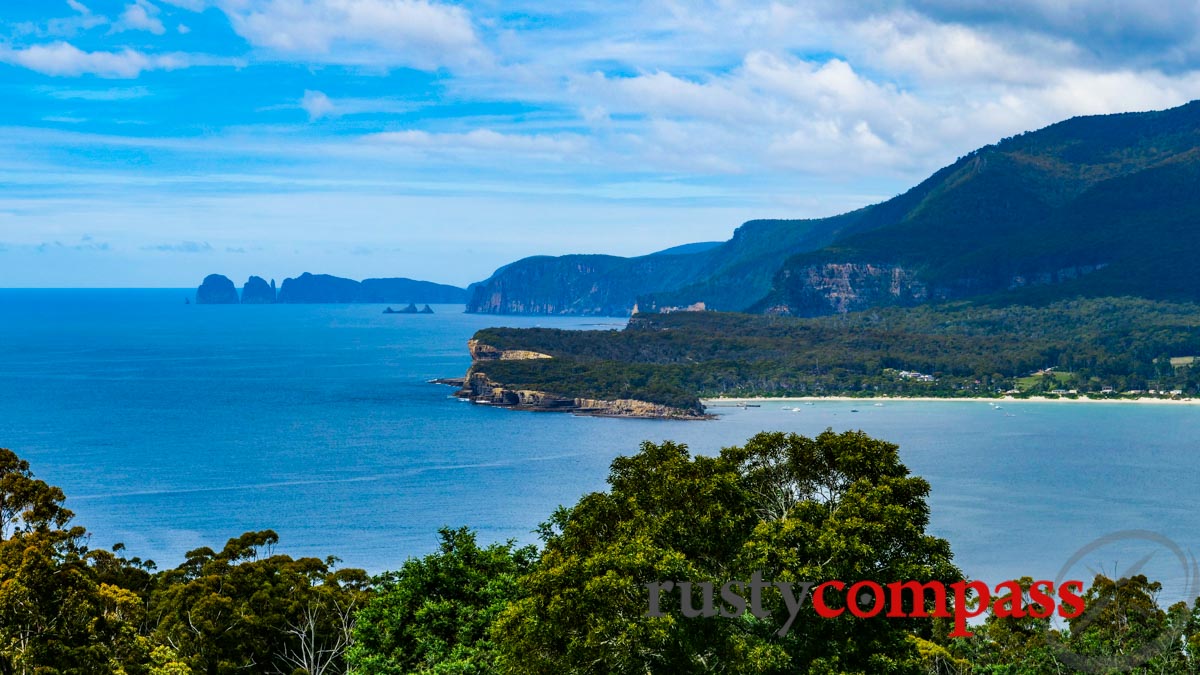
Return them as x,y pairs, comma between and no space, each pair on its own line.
258,292
426,310
216,289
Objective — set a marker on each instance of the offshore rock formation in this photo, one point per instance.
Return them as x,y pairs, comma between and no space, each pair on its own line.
318,289
258,292
326,289
400,289
216,289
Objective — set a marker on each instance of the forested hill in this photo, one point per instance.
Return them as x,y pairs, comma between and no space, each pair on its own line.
1100,205
1100,347
739,271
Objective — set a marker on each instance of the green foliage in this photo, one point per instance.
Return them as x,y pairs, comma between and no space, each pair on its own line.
1093,206
793,508
66,609
245,607
432,616
971,349
838,506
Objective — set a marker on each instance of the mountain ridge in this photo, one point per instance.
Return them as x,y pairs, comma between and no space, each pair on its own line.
1074,206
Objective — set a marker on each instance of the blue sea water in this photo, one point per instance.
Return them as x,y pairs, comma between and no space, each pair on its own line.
174,426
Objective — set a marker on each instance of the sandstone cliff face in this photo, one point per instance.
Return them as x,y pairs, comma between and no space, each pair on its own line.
837,287
483,352
216,289
827,288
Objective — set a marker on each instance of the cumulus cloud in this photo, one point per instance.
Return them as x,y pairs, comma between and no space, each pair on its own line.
417,33
62,59
140,15
84,19
317,104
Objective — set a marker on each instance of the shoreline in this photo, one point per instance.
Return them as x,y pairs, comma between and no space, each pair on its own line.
1144,400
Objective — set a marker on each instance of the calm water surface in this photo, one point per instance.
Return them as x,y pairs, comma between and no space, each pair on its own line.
175,426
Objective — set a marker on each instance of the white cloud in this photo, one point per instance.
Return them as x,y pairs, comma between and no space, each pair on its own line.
182,29
418,33
83,20
485,140
62,59
140,15
190,5
317,105
114,94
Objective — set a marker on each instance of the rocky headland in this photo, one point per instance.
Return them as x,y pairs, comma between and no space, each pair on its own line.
478,387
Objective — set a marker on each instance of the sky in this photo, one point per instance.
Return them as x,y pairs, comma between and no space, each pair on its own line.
152,142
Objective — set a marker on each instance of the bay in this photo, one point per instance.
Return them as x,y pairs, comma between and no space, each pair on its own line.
174,426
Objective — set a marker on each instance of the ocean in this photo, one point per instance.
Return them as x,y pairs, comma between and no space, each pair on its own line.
173,426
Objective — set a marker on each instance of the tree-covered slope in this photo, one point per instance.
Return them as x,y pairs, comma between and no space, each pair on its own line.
1101,205
953,350
611,285
1091,206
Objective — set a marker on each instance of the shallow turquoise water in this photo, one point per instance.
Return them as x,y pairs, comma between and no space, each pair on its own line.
174,426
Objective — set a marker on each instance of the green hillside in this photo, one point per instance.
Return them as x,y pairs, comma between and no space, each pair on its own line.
1093,206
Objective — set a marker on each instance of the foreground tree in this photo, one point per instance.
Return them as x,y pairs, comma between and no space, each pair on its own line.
433,615
247,609
840,506
55,613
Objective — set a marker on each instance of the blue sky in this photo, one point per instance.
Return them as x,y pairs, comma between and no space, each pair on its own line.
148,143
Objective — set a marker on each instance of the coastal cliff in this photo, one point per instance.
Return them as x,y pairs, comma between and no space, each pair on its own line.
838,288
479,387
